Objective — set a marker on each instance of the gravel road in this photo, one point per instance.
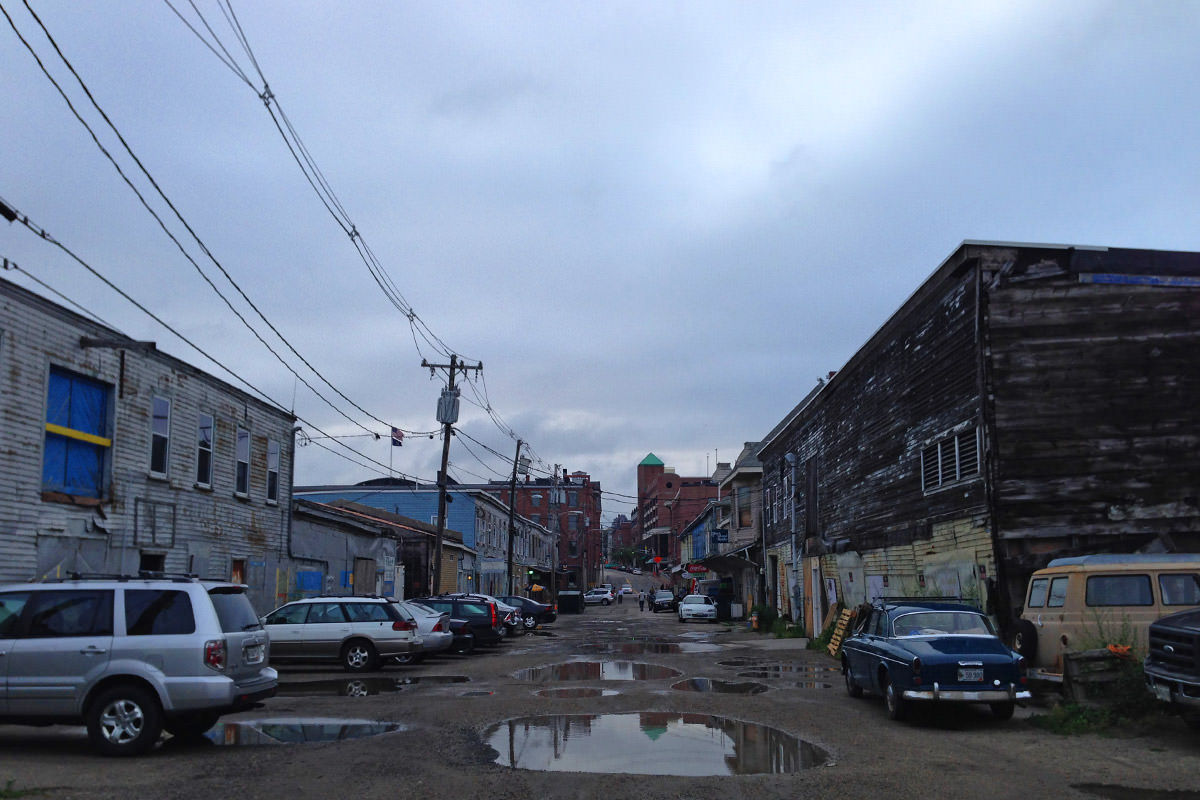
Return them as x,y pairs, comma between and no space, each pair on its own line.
440,751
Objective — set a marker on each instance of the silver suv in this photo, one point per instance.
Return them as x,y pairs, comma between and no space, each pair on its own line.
130,656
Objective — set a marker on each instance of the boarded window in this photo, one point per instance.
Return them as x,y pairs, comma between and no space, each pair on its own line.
77,434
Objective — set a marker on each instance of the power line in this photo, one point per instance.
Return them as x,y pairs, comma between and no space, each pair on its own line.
45,236
95,104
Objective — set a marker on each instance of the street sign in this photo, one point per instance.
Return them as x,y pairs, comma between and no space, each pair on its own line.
658,559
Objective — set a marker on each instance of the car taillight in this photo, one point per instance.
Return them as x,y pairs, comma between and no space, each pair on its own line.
437,628
916,665
492,606
214,654
403,625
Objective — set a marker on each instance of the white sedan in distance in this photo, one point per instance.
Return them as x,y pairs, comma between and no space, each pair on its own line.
697,606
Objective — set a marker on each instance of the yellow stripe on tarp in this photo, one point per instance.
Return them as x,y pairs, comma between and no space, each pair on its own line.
71,433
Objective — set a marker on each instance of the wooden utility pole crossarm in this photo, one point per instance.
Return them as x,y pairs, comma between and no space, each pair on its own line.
447,415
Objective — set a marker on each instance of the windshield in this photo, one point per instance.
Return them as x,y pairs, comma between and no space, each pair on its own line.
937,623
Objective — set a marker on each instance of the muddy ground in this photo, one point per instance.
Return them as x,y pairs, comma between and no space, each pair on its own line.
441,753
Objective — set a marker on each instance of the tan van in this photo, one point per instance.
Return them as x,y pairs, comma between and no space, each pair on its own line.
1088,602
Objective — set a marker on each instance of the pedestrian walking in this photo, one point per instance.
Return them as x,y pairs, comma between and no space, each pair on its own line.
642,600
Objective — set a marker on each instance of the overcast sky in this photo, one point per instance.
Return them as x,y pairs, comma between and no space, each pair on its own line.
655,223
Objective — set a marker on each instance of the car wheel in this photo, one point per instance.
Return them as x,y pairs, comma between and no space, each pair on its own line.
124,721
529,621
1025,640
359,656
897,708
1002,710
191,726
466,648
852,687
408,659
604,602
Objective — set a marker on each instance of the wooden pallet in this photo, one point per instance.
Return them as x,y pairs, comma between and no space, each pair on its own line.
839,631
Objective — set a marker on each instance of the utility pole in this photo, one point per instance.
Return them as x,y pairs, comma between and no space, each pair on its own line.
447,415
512,510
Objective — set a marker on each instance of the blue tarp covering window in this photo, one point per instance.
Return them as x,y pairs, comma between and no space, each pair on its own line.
79,404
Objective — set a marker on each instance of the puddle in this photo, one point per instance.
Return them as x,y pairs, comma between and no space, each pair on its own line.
790,671
810,685
597,671
650,648
1111,792
362,687
581,691
719,687
744,662
295,730
649,743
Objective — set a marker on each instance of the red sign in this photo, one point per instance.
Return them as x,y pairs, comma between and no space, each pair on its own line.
657,559
696,568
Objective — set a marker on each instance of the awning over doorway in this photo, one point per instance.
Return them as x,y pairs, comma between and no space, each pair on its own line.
728,563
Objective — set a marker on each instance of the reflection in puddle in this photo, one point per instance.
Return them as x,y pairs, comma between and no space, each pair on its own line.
790,671
649,743
649,648
810,685
293,730
362,687
581,691
719,687
743,662
596,671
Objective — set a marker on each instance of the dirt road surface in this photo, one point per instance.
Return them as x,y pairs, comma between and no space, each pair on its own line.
441,753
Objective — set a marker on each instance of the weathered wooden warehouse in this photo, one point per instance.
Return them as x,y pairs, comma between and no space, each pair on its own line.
119,457
1028,401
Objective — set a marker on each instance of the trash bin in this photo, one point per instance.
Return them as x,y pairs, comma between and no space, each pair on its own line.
570,602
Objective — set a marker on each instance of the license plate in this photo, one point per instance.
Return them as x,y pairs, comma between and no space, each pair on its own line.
1162,692
970,674
253,654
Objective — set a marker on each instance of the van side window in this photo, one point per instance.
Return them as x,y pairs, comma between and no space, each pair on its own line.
72,612
1180,590
1037,592
1058,592
1118,590
11,604
154,612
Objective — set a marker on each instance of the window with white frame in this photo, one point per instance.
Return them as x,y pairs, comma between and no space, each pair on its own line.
272,471
204,450
951,459
160,435
241,485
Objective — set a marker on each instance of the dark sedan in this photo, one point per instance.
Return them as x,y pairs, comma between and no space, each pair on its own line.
663,600
921,650
533,613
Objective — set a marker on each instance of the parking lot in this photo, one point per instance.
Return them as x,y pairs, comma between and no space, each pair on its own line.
442,726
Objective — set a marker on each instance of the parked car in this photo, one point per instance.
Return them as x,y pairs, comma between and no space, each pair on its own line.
433,626
921,650
1074,603
510,615
662,600
357,631
635,571
697,606
598,597
532,612
464,637
479,613
1172,667
129,657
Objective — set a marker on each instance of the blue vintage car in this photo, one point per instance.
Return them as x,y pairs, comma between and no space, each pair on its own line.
920,650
